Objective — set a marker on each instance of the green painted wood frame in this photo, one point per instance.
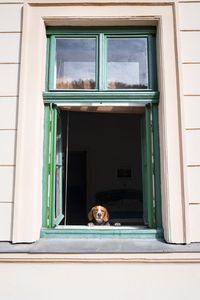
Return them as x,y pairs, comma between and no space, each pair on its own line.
56,219
101,35
101,233
52,49
151,191
148,98
50,218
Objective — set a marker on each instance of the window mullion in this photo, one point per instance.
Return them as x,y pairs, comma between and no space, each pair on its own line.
101,61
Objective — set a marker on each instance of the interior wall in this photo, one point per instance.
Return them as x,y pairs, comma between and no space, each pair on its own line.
112,141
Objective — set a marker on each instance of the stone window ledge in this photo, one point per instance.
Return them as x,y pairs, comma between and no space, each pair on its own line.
98,246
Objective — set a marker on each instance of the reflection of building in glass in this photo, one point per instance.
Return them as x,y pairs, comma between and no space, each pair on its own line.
75,63
76,84
122,85
127,64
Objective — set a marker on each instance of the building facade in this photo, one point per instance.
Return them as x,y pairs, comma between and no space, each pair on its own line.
27,31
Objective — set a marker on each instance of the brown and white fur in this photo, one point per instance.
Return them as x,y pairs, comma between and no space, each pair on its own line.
98,215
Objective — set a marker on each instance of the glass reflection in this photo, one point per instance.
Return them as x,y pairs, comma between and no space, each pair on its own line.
127,63
75,63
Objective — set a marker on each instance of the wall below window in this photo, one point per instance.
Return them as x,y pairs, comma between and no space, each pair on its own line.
117,281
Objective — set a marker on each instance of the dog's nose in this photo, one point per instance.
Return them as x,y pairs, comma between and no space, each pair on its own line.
99,215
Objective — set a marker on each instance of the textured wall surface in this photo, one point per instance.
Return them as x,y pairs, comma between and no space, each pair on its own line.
10,38
190,56
107,280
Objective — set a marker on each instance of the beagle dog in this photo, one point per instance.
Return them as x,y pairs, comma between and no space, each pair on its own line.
98,215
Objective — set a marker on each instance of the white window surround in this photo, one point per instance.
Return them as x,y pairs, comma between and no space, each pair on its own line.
29,157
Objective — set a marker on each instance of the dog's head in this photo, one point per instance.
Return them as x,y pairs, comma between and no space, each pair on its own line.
99,214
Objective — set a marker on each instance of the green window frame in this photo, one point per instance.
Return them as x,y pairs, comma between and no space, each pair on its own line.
147,98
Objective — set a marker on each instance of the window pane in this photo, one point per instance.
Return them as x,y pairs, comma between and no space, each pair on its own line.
75,63
127,63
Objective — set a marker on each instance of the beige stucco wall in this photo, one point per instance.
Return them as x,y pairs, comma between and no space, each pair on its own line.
156,276
189,46
104,280
190,58
10,38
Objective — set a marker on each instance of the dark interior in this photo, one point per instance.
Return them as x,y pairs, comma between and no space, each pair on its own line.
104,166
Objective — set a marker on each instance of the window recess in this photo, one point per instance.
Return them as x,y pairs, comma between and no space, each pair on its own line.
101,143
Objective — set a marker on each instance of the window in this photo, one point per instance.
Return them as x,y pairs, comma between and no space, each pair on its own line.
101,142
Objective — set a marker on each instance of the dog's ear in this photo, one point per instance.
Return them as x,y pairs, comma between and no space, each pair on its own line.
90,215
106,216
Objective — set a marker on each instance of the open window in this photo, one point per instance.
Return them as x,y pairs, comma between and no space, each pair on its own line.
101,132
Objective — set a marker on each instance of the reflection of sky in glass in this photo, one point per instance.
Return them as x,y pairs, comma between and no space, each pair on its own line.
127,63
75,63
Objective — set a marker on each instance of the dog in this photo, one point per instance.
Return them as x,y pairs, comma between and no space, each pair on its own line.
98,215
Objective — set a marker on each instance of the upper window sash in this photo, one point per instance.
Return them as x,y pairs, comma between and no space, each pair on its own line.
126,62
86,57
101,69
